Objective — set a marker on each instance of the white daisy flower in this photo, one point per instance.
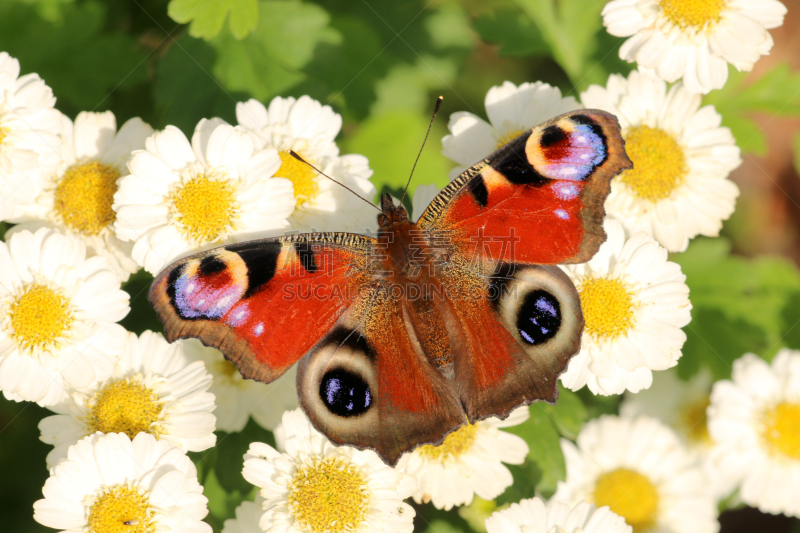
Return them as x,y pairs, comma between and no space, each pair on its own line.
58,314
678,187
754,422
634,303
468,462
317,487
641,471
180,197
76,196
682,405
694,39
29,134
512,110
309,129
247,517
154,389
112,483
534,515
237,398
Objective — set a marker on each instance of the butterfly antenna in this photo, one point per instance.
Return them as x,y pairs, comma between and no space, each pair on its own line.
296,156
435,111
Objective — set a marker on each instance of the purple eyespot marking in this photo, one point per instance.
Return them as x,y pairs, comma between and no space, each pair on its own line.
259,329
573,156
198,298
560,213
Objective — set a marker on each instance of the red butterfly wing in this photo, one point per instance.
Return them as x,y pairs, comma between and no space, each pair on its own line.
538,199
263,303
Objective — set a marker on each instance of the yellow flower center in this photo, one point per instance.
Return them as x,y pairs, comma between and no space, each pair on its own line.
121,510
3,133
125,406
782,429
205,207
329,495
301,175
39,316
84,196
607,306
629,494
455,444
659,163
693,13
229,372
694,420
508,137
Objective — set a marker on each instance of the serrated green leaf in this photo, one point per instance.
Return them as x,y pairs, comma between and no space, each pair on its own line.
185,90
776,93
82,62
545,448
514,32
206,17
751,291
391,142
269,60
570,27
715,341
568,414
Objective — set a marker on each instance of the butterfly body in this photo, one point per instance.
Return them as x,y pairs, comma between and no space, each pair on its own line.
404,337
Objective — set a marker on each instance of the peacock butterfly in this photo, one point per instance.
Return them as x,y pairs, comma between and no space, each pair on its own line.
405,336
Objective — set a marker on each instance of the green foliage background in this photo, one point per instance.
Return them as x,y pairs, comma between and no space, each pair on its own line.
380,63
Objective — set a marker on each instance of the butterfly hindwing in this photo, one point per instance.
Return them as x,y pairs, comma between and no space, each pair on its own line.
538,199
368,383
263,303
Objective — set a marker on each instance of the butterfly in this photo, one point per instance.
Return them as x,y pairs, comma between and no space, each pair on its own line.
403,337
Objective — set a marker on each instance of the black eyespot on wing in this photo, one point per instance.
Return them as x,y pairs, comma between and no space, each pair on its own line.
552,136
306,255
261,259
477,188
345,393
211,264
515,167
539,317
172,280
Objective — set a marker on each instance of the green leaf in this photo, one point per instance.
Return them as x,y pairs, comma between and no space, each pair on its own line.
142,316
391,142
448,27
231,448
545,449
569,413
513,31
268,61
406,87
753,291
208,16
715,341
774,93
570,27
185,90
791,319
82,62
